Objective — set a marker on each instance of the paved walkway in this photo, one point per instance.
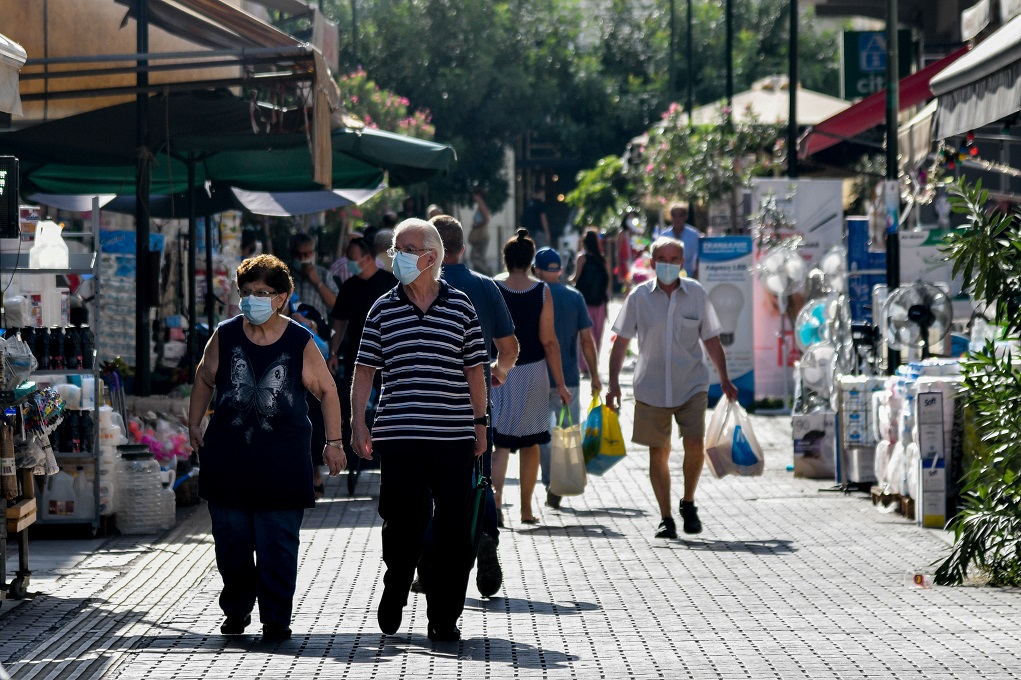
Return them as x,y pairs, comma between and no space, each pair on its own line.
787,581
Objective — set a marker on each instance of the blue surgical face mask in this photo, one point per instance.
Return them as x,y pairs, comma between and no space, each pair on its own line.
257,310
354,268
667,273
406,267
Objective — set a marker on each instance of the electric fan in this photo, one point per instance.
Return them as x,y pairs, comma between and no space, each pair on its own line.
782,271
915,314
817,366
812,324
833,265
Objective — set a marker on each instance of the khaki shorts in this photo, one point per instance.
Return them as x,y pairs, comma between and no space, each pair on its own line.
652,423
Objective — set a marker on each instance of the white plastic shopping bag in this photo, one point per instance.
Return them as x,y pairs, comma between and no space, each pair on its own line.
730,445
567,475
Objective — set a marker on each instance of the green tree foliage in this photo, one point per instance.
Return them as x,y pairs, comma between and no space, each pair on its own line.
987,531
580,79
603,193
707,162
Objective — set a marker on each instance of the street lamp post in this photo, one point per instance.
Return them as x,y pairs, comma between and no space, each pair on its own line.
892,188
729,20
691,70
792,93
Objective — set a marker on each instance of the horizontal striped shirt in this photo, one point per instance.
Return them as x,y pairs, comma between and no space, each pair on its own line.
423,357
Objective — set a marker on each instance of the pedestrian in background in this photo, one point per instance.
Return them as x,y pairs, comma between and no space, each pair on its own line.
498,331
430,425
686,234
573,329
354,300
672,318
478,237
592,278
312,283
256,468
625,253
521,404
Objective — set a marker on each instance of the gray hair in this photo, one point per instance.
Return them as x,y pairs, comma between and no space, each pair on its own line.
664,241
430,241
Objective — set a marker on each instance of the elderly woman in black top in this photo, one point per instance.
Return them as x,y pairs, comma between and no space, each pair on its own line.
256,467
430,424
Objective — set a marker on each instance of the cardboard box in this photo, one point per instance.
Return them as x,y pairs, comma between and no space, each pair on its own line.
931,508
815,444
861,464
929,420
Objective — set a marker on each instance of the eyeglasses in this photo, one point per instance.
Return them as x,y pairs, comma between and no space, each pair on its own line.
258,293
407,250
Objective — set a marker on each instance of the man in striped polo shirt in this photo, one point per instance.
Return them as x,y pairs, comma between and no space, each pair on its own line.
430,424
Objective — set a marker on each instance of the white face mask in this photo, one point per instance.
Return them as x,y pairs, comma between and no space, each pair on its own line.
406,267
307,260
667,273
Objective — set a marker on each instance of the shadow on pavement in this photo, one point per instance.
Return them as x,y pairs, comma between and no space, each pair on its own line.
517,605
576,530
622,513
374,648
766,546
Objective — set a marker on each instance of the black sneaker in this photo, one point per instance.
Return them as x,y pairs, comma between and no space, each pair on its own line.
689,513
417,586
553,500
489,575
667,528
235,625
275,632
444,634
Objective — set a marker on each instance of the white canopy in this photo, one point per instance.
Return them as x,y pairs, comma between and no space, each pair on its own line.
769,99
12,58
981,87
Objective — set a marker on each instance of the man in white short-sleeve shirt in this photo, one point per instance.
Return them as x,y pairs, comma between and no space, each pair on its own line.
673,320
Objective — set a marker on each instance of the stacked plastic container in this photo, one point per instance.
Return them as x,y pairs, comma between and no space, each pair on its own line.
139,491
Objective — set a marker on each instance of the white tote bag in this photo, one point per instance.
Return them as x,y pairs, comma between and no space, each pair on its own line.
567,462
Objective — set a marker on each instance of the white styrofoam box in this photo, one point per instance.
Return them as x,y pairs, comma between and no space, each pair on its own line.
815,444
861,464
931,508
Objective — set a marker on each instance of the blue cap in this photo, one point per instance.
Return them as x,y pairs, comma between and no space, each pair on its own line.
547,260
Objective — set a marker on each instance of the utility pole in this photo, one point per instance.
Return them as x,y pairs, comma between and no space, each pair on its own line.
792,93
729,20
672,79
892,188
691,70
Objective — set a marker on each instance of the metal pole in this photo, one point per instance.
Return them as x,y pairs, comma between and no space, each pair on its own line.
792,92
210,296
672,79
193,252
691,69
143,180
354,32
729,19
892,189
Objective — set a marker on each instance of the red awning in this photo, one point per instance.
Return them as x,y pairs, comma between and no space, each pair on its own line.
871,111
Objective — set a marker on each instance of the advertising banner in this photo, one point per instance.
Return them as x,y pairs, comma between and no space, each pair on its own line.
811,212
725,271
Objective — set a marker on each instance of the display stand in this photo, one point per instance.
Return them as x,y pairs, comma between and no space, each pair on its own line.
19,516
79,263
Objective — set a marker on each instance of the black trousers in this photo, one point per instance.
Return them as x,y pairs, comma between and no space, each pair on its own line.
422,480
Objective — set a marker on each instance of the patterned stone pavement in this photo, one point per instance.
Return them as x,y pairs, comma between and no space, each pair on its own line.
789,580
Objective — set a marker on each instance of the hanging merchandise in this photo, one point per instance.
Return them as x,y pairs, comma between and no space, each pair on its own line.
8,471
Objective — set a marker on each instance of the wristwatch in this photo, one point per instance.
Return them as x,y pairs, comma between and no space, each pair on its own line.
336,443
481,420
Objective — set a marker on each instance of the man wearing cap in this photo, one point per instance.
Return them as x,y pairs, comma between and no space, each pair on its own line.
573,327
